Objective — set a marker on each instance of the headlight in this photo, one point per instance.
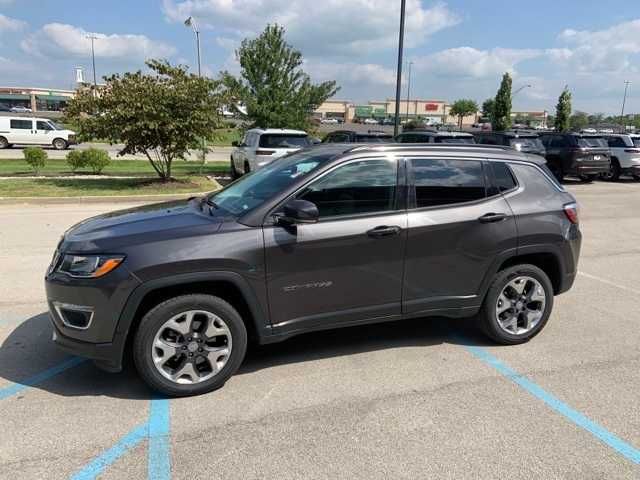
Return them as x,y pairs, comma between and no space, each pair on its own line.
89,266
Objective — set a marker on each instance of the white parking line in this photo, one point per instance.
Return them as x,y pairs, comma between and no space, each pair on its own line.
609,282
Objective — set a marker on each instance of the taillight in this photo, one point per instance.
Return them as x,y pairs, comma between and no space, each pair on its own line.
265,152
571,211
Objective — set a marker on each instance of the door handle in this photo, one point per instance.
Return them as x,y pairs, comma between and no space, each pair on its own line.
492,217
384,231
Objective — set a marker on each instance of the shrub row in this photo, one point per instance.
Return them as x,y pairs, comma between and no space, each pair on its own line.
92,158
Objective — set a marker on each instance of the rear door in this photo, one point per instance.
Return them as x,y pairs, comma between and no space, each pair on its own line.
458,227
21,131
348,266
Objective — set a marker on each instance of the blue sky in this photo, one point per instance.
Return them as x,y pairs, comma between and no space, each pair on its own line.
460,48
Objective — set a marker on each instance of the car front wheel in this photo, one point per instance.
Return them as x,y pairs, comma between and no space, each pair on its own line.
59,144
189,345
517,305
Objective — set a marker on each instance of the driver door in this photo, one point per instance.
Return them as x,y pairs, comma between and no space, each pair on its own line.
347,267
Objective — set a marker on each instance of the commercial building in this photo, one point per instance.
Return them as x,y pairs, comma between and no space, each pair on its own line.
37,99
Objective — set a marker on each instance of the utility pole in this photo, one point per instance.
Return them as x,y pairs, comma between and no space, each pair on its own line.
396,127
93,37
624,101
409,90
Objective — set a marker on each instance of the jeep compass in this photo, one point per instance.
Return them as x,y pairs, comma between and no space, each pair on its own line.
330,236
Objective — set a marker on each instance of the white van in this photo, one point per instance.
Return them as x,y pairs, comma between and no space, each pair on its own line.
34,131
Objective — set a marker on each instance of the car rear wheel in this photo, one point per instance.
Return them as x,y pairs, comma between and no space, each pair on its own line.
234,172
636,178
517,305
613,175
4,143
588,178
59,144
189,345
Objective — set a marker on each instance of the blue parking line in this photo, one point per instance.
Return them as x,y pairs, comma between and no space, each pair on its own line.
40,377
100,463
579,419
159,462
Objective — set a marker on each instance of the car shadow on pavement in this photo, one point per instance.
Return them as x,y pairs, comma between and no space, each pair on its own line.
28,351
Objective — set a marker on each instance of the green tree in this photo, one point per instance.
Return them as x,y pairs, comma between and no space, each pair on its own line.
159,114
563,111
488,107
275,90
463,107
502,108
578,121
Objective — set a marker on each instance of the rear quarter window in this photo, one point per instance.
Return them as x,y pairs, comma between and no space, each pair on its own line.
537,185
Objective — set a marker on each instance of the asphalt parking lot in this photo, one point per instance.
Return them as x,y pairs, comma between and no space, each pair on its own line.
427,398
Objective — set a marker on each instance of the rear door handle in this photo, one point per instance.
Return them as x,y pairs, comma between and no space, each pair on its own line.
384,231
492,217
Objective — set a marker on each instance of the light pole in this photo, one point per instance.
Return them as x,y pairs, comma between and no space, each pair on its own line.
191,22
409,90
519,90
624,100
93,37
396,127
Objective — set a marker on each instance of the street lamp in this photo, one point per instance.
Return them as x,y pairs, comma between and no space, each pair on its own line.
399,75
519,90
93,37
409,90
191,22
624,100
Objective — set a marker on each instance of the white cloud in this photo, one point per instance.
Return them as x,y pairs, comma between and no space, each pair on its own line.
8,24
471,62
334,27
354,74
59,40
608,50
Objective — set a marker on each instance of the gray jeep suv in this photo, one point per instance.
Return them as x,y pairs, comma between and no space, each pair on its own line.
331,236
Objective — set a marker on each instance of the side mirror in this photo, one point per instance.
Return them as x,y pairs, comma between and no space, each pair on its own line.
235,143
299,211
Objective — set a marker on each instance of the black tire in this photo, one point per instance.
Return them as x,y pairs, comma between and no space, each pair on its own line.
4,143
613,175
234,172
247,168
155,319
60,144
488,318
588,178
636,178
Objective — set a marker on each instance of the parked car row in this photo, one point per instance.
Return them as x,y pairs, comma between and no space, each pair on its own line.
583,155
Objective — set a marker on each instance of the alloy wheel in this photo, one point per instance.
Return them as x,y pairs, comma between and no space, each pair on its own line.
191,347
520,305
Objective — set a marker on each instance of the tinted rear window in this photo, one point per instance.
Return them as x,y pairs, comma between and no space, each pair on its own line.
373,138
503,177
271,140
458,140
527,143
592,142
447,182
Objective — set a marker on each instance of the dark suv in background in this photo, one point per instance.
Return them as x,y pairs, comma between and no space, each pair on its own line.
582,155
330,236
523,141
351,136
435,136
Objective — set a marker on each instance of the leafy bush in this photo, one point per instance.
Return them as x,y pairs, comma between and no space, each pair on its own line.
35,157
96,159
76,159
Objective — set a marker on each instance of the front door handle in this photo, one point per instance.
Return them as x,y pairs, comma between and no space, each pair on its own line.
492,217
384,231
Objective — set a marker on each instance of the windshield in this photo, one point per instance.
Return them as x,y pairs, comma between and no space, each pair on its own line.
374,138
54,125
592,142
527,143
270,140
254,189
459,140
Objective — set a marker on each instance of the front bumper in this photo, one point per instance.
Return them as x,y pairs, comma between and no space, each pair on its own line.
105,298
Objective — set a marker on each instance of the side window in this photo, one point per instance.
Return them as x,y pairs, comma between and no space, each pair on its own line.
447,182
43,126
557,142
338,138
503,178
616,142
21,124
366,186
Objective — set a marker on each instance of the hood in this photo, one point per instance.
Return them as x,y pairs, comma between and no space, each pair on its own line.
110,231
